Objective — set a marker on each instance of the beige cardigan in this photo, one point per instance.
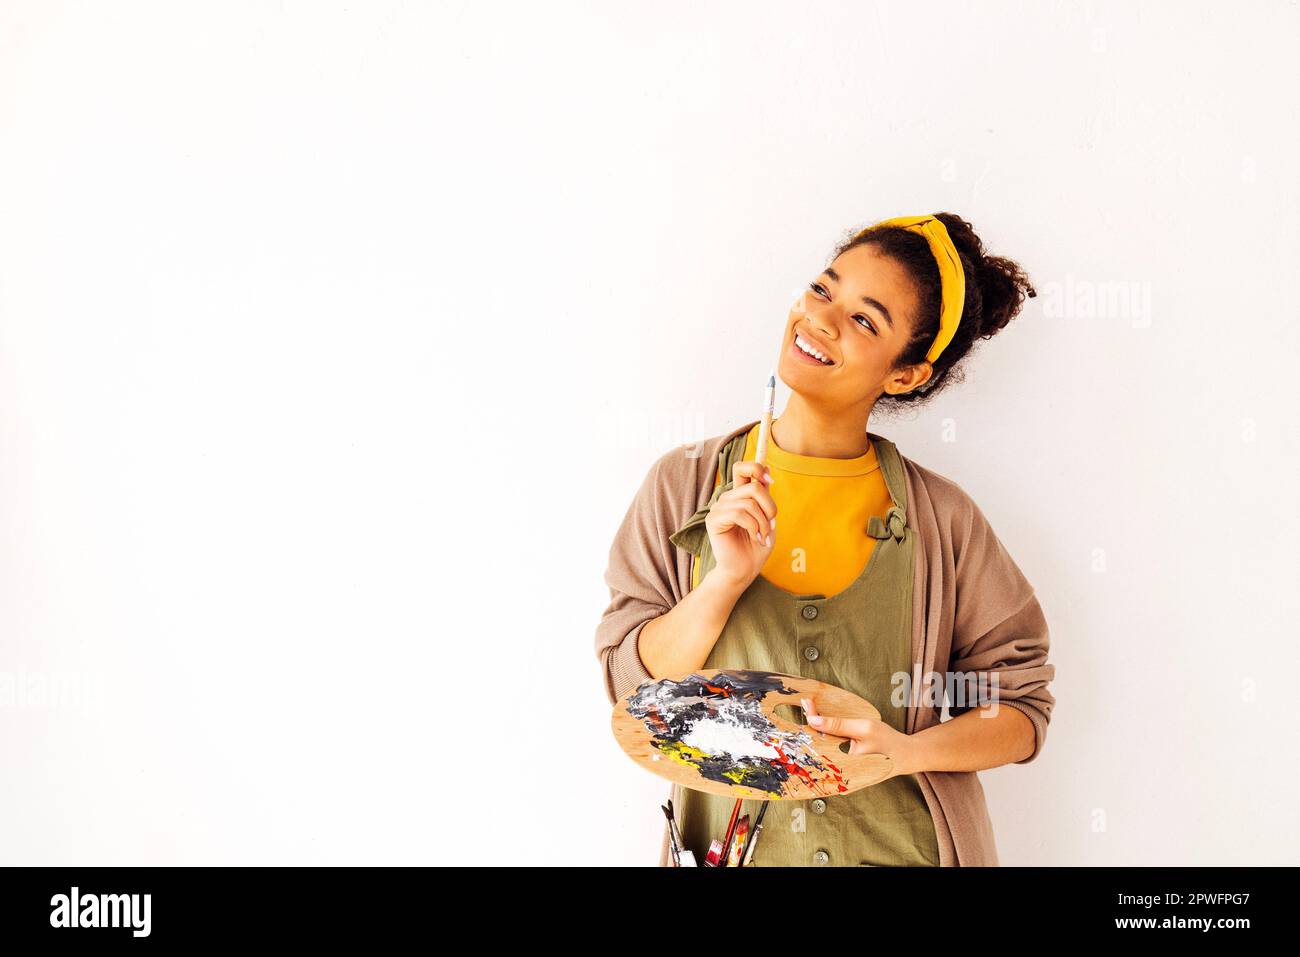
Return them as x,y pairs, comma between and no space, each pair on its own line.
972,611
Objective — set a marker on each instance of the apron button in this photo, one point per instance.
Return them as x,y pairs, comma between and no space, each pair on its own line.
821,857
811,653
810,612
819,806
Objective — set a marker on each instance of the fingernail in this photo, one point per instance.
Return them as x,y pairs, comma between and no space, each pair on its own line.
814,719
768,541
806,705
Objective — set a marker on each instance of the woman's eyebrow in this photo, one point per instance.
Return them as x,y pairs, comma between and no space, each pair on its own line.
874,303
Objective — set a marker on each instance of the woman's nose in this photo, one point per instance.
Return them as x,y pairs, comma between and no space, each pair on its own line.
826,329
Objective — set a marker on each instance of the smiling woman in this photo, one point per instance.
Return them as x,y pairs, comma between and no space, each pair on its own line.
861,583
875,313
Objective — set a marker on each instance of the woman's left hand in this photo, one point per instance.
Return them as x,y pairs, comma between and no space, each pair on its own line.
866,736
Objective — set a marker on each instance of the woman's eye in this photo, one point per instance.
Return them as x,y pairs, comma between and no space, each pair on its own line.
821,291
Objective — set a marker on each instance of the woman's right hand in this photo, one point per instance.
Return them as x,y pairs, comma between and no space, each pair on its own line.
742,525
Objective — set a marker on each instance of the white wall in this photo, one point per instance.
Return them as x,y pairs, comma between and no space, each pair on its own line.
314,583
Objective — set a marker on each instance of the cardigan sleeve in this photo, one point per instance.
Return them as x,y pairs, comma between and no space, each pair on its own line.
999,630
641,579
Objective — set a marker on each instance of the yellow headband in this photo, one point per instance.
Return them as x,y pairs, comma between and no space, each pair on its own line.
952,277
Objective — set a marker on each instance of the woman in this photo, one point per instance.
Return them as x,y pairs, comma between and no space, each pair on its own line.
881,577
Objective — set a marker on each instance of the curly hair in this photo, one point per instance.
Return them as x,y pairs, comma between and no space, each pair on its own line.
996,288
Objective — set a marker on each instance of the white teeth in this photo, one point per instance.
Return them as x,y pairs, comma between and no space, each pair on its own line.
805,347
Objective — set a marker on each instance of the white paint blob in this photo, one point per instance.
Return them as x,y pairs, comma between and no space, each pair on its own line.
716,737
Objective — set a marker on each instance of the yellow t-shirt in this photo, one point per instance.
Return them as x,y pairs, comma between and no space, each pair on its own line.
823,507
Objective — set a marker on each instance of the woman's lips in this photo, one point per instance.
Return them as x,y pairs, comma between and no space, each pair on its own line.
800,354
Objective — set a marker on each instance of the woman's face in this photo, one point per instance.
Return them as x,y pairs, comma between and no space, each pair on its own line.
859,314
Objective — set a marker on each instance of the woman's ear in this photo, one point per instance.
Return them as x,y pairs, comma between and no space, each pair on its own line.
908,378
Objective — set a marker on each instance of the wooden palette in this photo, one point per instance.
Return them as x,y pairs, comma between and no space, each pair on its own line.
719,731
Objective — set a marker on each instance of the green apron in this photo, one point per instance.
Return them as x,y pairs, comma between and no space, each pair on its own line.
857,639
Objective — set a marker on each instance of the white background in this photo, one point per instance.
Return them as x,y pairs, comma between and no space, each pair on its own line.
335,341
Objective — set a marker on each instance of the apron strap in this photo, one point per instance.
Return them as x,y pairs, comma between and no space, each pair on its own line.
891,464
893,526
693,534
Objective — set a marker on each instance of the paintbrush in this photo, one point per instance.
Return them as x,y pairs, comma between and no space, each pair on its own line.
753,837
672,838
731,832
673,829
714,858
765,423
736,857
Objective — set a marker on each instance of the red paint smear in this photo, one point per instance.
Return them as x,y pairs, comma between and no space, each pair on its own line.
794,769
655,719
798,771
839,778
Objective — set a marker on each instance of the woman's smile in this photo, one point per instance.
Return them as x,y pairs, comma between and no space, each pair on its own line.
797,346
